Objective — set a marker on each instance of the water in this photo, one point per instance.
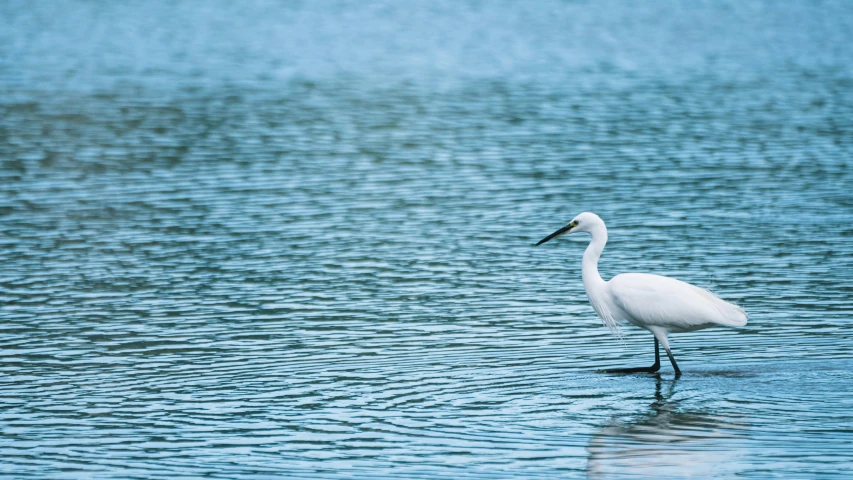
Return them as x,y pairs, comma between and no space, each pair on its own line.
264,239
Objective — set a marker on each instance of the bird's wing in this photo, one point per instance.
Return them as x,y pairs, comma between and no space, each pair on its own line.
675,305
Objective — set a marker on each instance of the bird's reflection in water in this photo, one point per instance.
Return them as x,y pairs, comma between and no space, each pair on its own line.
666,442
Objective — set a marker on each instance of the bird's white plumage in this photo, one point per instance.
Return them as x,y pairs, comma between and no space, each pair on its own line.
643,299
659,304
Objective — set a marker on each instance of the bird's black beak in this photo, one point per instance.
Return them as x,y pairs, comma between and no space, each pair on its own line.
556,234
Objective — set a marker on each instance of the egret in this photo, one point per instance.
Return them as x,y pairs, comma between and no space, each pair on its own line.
661,305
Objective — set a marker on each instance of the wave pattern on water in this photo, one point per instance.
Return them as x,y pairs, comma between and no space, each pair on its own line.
289,251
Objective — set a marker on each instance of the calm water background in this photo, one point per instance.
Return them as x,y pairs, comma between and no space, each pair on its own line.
253,239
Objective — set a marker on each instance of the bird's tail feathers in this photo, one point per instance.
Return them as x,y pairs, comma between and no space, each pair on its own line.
735,316
731,314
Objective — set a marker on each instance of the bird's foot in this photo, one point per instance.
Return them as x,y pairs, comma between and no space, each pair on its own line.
652,369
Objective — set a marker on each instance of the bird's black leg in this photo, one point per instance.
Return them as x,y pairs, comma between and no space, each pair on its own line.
674,365
654,368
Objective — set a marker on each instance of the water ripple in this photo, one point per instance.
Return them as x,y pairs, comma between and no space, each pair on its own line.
304,247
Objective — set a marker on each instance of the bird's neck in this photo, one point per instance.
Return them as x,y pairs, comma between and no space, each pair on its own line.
592,281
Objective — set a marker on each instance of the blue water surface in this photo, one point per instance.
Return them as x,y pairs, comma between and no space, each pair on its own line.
266,239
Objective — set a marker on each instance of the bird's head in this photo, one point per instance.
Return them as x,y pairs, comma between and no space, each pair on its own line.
585,222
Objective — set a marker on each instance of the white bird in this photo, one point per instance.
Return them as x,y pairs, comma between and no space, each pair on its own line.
661,305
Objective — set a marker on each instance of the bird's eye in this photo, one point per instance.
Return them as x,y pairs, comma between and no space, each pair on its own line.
575,223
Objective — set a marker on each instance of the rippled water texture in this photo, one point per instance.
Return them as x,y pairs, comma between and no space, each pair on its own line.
262,239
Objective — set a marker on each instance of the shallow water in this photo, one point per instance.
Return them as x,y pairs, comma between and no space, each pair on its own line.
259,239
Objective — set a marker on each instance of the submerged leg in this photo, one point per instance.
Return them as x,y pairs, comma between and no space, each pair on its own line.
672,360
654,368
662,337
